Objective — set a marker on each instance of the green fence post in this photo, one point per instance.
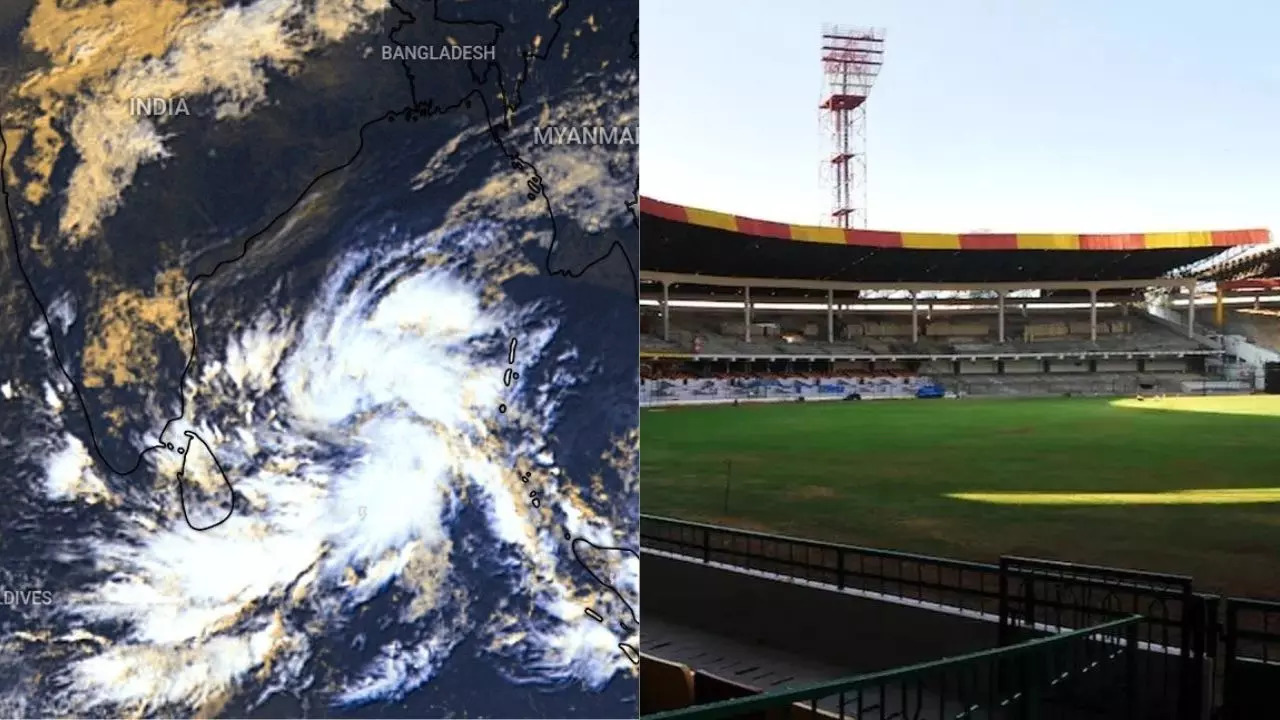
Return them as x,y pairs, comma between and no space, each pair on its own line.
1131,669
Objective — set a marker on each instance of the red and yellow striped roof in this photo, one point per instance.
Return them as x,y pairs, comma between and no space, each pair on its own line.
945,241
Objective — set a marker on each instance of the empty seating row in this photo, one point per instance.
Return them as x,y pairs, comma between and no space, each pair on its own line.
1046,331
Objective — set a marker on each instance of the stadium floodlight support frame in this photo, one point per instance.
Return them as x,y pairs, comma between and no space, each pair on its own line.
851,60
1002,290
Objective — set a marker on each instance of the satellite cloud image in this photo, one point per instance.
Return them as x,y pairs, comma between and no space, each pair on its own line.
318,358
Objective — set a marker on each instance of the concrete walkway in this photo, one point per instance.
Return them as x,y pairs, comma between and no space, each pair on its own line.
755,666
768,669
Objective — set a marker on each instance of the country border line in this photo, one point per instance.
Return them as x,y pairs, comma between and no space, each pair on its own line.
427,110
512,103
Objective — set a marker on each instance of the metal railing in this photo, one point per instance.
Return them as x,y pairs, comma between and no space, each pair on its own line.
1087,673
1251,667
908,576
1047,596
1197,650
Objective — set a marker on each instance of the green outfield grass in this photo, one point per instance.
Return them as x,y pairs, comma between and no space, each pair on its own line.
1185,485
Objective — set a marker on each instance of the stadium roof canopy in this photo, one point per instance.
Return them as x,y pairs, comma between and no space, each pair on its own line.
1243,263
684,240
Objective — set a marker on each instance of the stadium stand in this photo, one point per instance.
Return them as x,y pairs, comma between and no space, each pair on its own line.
789,310
796,335
1261,327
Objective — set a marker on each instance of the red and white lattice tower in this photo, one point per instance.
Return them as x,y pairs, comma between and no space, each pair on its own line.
851,59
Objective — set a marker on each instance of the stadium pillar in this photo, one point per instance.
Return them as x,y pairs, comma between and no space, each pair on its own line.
1191,310
1093,314
915,318
746,313
1000,323
1219,311
831,316
666,312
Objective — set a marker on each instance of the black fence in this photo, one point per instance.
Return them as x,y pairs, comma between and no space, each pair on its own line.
1084,674
1200,656
1043,596
907,576
1251,666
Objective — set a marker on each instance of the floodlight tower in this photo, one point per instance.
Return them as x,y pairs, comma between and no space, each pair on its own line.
851,59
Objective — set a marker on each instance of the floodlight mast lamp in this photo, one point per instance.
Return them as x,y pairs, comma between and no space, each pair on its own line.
851,60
